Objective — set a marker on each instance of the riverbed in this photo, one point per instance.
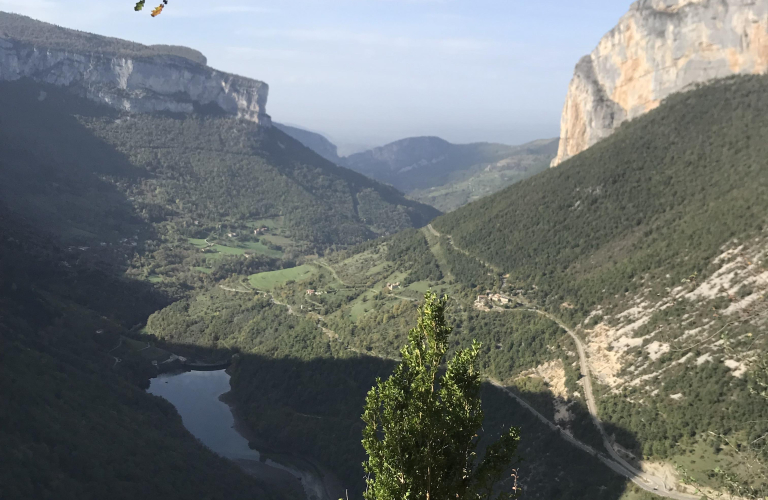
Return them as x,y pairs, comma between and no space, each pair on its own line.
197,397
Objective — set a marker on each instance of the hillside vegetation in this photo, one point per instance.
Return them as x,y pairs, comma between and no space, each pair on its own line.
652,244
302,377
447,175
661,196
75,423
202,170
39,34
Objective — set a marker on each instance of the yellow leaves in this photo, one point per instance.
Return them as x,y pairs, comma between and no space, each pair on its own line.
158,10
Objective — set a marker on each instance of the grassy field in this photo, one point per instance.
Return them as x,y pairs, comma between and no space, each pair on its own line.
277,239
269,280
377,269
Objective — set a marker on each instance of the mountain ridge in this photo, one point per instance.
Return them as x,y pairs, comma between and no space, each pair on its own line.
125,75
314,141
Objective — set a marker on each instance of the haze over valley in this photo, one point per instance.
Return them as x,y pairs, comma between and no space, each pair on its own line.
196,299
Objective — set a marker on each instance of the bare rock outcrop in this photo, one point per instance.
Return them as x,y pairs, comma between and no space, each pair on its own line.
124,75
658,48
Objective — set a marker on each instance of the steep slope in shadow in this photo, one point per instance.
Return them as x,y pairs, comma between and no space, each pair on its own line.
55,172
75,422
313,407
64,156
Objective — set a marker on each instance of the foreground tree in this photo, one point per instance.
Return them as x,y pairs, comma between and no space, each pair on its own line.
422,423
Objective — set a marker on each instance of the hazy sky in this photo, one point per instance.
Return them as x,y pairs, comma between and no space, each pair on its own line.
366,72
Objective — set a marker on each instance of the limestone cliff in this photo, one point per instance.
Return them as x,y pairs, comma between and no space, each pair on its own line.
124,75
659,47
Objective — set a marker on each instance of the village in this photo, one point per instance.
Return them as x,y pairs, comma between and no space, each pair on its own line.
494,301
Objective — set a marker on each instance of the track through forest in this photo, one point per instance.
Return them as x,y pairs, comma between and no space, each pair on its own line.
616,462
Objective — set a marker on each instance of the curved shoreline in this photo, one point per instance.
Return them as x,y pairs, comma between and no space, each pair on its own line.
326,486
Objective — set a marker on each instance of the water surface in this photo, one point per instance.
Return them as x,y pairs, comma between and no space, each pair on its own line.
195,395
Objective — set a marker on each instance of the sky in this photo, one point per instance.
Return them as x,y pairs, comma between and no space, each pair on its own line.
368,72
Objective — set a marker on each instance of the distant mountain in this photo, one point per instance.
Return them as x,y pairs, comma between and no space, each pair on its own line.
422,162
314,141
447,175
482,180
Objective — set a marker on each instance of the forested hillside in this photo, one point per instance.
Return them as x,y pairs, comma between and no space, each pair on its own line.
76,423
662,196
203,169
314,141
652,244
446,175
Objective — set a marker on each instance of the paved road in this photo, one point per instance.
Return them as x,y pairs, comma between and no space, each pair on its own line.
616,463
644,480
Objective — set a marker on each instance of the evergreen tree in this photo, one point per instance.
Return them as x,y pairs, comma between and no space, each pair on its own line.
422,423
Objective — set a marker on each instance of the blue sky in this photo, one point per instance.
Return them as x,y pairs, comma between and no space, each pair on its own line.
366,72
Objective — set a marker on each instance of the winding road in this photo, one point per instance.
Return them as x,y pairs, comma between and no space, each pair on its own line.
616,462
643,479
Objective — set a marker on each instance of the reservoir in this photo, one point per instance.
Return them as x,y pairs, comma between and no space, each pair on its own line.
195,394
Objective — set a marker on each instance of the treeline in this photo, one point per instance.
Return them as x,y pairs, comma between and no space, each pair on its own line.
660,196
410,252
74,422
713,401
50,36
467,270
220,169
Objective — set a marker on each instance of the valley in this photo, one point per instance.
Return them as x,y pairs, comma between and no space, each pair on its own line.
437,173
360,302
196,302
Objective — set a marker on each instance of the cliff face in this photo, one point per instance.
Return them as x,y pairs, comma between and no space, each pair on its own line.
133,78
659,47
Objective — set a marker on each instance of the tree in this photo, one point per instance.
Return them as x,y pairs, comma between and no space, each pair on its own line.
422,423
